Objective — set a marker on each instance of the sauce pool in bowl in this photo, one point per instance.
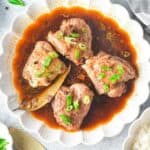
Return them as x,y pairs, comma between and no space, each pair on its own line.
107,36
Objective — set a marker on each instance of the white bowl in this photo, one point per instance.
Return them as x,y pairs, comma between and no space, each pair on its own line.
4,133
131,110
135,126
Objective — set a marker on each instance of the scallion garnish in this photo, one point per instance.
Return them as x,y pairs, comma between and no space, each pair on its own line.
120,69
76,105
106,88
65,119
69,99
114,78
74,35
76,54
82,47
69,108
53,55
40,73
70,39
86,100
47,61
105,68
101,76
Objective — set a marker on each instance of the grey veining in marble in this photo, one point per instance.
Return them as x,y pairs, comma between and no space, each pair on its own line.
6,16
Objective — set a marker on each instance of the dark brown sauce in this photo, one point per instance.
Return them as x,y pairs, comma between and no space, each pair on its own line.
107,36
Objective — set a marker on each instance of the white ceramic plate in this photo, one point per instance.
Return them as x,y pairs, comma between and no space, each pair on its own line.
128,114
135,126
4,133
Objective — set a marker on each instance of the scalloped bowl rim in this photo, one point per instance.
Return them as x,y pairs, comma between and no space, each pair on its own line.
106,132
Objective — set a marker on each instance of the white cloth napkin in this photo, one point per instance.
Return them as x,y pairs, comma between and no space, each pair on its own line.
141,8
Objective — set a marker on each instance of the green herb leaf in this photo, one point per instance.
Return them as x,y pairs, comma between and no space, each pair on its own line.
120,69
101,76
114,78
77,54
82,47
84,30
76,105
17,2
105,68
69,99
86,100
75,35
47,61
3,144
106,88
59,35
66,119
69,108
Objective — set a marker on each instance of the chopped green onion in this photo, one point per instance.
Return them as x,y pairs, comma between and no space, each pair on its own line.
82,47
77,54
101,76
86,100
74,35
69,108
40,73
66,119
59,35
106,88
53,55
114,78
105,68
70,39
17,2
76,105
69,99
84,30
47,61
120,69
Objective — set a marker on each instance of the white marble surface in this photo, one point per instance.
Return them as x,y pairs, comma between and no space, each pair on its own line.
6,17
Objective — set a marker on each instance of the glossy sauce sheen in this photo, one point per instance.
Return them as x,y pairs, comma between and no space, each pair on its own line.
107,36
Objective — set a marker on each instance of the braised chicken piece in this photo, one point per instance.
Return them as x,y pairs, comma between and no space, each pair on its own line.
73,40
71,105
109,74
43,65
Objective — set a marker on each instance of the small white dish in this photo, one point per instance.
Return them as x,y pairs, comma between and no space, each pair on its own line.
131,110
135,127
4,134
